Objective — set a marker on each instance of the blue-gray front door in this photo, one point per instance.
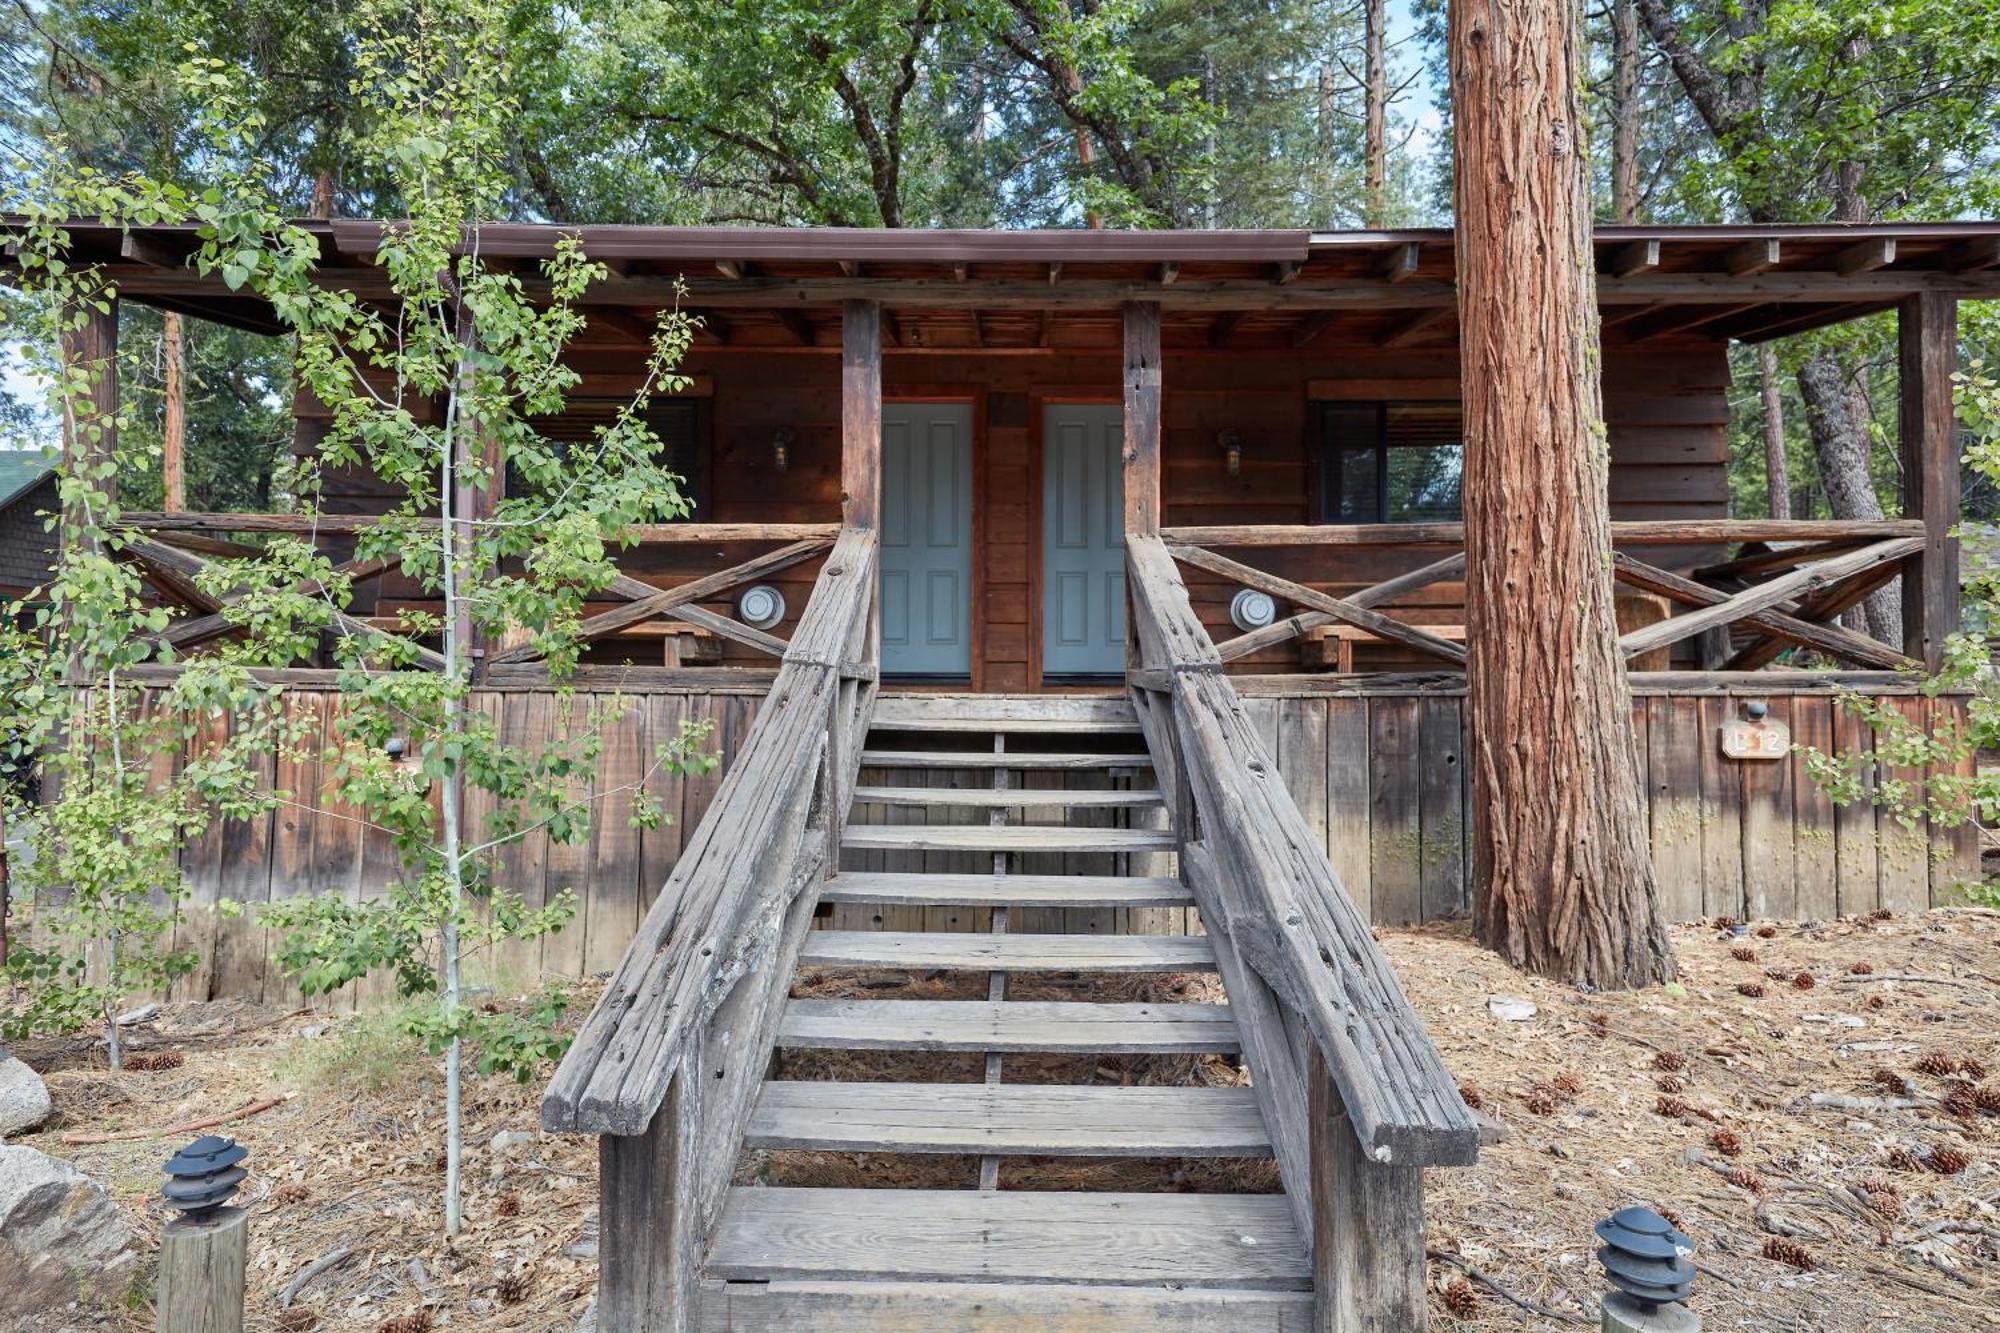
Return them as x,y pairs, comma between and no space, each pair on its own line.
1083,540
927,539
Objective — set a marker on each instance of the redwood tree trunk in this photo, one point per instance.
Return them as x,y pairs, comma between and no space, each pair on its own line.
1375,112
1625,111
1563,879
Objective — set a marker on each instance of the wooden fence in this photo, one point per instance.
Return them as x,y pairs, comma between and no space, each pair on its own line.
1377,771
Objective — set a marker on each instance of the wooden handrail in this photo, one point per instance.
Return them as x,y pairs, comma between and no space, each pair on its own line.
719,918
644,534
1273,895
1648,532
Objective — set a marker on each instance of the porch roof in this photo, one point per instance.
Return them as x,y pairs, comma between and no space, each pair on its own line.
1249,288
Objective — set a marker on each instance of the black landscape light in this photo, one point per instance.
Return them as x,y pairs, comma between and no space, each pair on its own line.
1647,1261
203,1176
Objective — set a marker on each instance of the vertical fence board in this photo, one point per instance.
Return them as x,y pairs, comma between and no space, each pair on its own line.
1441,807
1395,823
520,865
1673,768
243,945
1347,800
1721,815
1857,862
614,842
1814,831
567,865
1769,886
1955,858
1904,844
201,866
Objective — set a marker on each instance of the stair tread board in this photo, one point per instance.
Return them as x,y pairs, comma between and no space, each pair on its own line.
1006,838
969,951
816,1305
1048,1026
949,890
1077,760
1013,798
1013,726
1050,709
1009,1119
1192,1240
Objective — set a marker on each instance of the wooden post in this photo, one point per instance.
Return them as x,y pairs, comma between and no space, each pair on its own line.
1368,1224
173,432
1142,416
90,425
646,1248
201,1273
1927,338
860,413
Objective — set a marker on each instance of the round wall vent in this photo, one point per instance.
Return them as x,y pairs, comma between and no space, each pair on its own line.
761,607
1250,609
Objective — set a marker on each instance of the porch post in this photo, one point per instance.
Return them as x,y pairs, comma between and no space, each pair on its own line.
860,413
1927,338
1142,416
90,423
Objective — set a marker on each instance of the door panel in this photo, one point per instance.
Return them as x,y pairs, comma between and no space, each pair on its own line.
926,539
1083,540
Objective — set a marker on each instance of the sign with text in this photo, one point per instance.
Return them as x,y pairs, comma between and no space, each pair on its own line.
1762,739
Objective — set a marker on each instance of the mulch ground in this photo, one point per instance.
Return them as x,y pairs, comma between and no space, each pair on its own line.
1831,1144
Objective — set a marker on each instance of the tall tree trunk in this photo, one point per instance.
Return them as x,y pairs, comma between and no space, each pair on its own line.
173,431
1376,113
1837,415
1775,480
1625,111
321,204
1563,879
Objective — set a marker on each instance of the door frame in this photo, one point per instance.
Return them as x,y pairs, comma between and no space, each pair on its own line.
1038,405
976,593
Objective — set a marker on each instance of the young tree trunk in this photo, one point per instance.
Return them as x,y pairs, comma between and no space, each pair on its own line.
1376,113
1775,481
1625,111
1837,415
1563,880
173,431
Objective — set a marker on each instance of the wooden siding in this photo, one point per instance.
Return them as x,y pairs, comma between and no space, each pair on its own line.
1377,775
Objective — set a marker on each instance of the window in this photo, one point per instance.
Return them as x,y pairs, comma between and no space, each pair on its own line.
681,424
1390,462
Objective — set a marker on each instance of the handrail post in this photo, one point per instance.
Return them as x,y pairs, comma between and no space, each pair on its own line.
1368,1223
646,1219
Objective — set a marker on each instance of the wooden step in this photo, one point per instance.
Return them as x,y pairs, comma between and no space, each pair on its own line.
995,1307
913,890
952,724
1016,798
1005,838
966,951
1189,1240
1048,1026
1010,1119
1073,762
893,707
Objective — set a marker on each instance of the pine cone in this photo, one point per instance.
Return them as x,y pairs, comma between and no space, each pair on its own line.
1987,1099
1960,1102
1877,1002
1971,1068
1669,1083
296,1318
1892,1081
508,1205
1902,1159
420,1322
1670,1061
285,1195
1751,989
1803,981
1937,1064
1461,1300
1599,1025
1767,932
147,1062
1726,1143
1744,1178
1786,1251
1883,1198
1673,1218
1724,923
1861,969
441,1163
514,1288
1542,1100
1946,1160
1743,953
1881,914
1673,1108
1568,1084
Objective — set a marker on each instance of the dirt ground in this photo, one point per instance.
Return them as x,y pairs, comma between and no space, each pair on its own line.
1802,1136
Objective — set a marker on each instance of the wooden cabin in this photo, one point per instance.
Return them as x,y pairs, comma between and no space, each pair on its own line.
1047,591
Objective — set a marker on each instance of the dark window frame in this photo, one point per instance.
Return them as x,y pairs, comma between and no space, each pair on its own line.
696,473
1328,476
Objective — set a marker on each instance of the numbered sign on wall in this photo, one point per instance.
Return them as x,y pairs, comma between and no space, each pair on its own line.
1743,738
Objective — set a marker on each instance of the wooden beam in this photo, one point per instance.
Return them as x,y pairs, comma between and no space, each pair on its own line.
1170,272
1287,270
849,268
961,271
1224,326
1411,326
1368,1223
1752,257
1626,532
1981,252
90,425
860,413
716,326
733,269
1927,358
1631,260
1055,272
187,633
1866,256
1821,609
149,251
728,627
1381,594
1829,639
1682,319
645,534
797,325
1141,451
1401,265
1385,627
1312,326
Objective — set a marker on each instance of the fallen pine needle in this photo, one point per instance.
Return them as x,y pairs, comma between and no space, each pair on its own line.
1445,1256
238,1114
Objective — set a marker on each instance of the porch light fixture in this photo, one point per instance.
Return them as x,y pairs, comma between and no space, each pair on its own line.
1250,609
782,440
1232,451
761,607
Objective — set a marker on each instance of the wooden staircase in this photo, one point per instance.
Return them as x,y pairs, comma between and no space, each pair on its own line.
983,1256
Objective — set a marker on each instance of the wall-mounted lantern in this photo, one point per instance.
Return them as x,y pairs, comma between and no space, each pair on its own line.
1232,452
782,440
1250,609
760,607
395,747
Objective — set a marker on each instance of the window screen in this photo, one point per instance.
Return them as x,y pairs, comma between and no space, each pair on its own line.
680,423
1390,462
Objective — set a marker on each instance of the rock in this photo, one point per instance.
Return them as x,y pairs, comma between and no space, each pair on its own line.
24,1102
61,1238
145,1013
507,1140
1510,1008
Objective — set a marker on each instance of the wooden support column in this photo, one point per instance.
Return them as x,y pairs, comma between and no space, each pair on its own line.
1142,416
90,421
646,1248
1927,337
1368,1224
860,413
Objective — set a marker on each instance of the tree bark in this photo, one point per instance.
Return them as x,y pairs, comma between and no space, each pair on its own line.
1563,880
1837,414
1625,112
1776,482
1376,113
